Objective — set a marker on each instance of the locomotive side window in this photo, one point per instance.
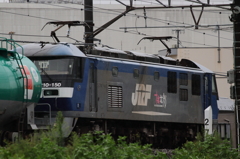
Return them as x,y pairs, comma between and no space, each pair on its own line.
172,82
183,79
214,86
156,76
196,85
183,95
115,71
78,72
135,73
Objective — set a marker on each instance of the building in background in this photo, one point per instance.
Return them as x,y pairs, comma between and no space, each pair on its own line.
26,20
226,120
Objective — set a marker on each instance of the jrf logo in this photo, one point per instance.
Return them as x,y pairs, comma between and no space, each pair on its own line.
141,95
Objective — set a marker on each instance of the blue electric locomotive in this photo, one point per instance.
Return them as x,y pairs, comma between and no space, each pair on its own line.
144,97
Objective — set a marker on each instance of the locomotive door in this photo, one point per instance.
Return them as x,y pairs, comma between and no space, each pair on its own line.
207,91
92,89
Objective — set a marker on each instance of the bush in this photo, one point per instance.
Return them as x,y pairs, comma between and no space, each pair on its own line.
50,145
98,145
211,147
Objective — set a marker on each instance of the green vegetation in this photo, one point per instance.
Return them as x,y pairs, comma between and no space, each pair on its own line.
50,145
46,145
211,147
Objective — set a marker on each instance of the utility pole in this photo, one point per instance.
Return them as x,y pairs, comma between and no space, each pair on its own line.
219,49
177,32
88,16
235,18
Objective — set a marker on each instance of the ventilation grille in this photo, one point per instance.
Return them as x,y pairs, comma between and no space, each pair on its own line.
115,96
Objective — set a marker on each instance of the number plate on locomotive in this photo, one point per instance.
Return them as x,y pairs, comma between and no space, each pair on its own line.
53,84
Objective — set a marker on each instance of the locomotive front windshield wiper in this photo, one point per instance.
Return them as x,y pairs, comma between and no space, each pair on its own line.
47,75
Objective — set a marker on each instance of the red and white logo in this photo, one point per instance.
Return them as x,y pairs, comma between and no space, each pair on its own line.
28,83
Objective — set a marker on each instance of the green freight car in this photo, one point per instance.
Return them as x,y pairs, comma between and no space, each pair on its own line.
20,87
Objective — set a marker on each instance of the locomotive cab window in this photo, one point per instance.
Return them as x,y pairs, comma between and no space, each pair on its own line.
172,82
56,66
60,68
196,85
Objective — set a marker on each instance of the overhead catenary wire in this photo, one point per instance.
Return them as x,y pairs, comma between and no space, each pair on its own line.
167,22
130,14
156,19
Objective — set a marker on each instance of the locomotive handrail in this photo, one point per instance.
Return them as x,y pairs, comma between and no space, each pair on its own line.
4,39
12,43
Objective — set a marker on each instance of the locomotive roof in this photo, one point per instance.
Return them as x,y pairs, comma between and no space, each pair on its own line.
64,49
183,62
142,54
109,50
60,49
166,58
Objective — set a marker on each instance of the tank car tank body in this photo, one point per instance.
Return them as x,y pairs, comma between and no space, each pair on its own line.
144,97
20,85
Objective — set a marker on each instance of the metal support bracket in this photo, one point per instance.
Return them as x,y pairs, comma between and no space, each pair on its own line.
196,22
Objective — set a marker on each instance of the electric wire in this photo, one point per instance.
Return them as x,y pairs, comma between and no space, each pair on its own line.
108,13
167,22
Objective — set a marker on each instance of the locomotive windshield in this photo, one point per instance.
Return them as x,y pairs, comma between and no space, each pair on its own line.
59,71
55,66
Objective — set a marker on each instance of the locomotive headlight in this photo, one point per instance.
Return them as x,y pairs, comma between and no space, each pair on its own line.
50,92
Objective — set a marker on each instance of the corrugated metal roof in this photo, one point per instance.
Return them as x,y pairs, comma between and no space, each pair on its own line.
225,104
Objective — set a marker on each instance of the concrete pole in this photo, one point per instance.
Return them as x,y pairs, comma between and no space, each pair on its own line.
88,16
